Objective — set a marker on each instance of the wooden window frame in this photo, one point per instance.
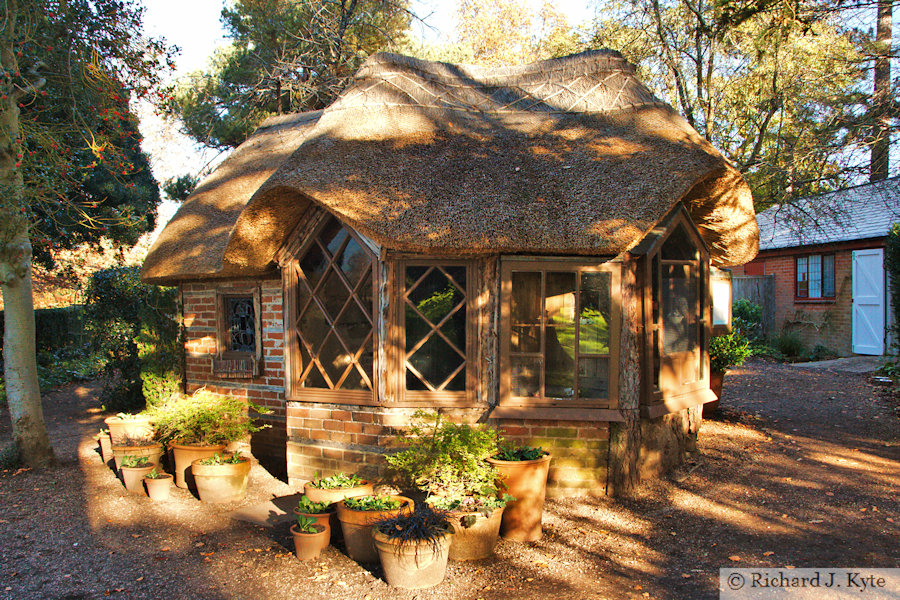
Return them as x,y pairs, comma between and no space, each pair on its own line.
290,278
814,299
579,265
398,293
230,363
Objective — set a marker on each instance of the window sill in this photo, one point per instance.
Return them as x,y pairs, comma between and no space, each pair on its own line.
814,300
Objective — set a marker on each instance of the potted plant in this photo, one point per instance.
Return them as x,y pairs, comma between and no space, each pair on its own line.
105,446
310,537
725,351
321,512
159,484
127,425
357,515
523,474
335,488
202,425
136,447
133,470
413,548
449,462
221,478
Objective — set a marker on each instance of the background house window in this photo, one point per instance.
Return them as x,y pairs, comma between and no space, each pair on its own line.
239,344
241,324
815,276
557,333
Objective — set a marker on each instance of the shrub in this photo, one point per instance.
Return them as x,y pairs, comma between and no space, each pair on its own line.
447,459
789,344
821,352
204,418
726,351
746,319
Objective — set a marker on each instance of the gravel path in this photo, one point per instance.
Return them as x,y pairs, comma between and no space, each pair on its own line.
802,468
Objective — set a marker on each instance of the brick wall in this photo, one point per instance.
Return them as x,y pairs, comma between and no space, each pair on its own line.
266,389
825,322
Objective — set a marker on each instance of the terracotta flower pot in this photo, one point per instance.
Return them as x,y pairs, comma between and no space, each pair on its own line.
152,450
160,488
323,518
105,448
221,483
356,526
715,384
133,477
526,481
415,565
335,495
122,430
309,545
185,454
477,541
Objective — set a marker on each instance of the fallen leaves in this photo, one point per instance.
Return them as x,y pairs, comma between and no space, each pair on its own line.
734,558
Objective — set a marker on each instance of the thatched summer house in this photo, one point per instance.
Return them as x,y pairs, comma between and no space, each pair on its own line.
528,246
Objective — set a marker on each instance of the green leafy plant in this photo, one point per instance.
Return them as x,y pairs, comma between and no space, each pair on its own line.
726,351
204,418
789,344
447,459
306,524
222,459
372,503
305,505
155,474
746,318
134,462
519,453
338,480
424,524
470,504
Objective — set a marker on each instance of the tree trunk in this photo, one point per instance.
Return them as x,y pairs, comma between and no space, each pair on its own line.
880,157
20,364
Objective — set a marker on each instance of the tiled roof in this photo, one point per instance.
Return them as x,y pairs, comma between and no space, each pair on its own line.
861,212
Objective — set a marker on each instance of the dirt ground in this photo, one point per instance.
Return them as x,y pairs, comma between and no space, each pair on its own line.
802,468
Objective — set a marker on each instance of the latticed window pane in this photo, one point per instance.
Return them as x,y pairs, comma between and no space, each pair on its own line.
435,328
828,276
241,324
334,327
815,276
802,278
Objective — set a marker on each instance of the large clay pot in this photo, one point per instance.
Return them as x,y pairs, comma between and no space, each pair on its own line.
715,384
476,541
221,483
160,488
309,545
356,526
152,450
185,454
335,495
133,477
416,565
123,431
526,481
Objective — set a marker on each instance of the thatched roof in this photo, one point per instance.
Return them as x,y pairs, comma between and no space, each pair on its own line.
192,244
566,156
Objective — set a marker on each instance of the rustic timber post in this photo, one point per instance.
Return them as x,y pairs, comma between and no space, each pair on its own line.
625,437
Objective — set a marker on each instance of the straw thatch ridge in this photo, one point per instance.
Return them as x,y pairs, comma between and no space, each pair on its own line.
567,156
192,245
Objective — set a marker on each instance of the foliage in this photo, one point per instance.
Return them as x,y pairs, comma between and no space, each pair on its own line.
10,457
746,319
471,504
134,462
519,453
220,458
285,56
307,506
136,326
179,188
338,480
155,474
726,351
306,524
775,85
820,352
892,266
447,459
789,344
372,503
424,524
204,418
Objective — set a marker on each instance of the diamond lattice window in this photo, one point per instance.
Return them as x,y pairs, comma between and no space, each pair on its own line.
334,324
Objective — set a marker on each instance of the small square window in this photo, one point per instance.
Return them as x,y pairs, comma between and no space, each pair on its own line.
814,276
239,344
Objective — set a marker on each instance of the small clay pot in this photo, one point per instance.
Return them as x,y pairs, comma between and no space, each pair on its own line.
106,452
152,450
333,496
159,488
308,545
185,454
133,477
